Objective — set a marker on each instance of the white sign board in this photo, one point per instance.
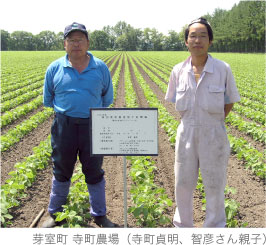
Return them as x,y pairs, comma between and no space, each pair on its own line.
124,131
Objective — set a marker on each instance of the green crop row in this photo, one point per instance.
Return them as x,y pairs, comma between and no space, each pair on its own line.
256,116
16,134
247,70
76,211
150,201
22,177
116,76
253,104
252,95
257,132
114,62
254,159
12,115
161,66
130,95
108,58
14,94
10,104
160,71
154,78
167,122
16,86
18,75
21,76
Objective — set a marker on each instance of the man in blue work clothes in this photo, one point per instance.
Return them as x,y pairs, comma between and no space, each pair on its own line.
74,84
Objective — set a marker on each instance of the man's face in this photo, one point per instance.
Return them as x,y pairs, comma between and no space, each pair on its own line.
76,44
198,40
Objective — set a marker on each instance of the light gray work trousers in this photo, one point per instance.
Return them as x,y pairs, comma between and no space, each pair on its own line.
205,147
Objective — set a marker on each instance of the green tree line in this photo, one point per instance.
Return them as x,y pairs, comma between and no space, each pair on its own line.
241,29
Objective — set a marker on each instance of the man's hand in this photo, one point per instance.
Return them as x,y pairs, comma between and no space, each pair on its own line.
227,109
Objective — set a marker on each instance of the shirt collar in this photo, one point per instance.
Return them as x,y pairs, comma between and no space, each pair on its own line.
207,68
209,65
66,61
91,65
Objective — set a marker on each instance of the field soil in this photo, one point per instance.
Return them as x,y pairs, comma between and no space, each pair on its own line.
250,189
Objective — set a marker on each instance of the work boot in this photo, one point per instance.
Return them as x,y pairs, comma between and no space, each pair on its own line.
104,222
50,222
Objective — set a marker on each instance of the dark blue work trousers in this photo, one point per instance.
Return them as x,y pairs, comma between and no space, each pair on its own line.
71,138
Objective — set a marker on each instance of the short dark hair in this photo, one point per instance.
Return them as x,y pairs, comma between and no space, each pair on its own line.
204,22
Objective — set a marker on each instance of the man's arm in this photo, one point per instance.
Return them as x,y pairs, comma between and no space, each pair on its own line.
108,93
48,93
227,109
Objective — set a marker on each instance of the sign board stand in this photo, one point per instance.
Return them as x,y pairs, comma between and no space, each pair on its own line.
125,191
124,132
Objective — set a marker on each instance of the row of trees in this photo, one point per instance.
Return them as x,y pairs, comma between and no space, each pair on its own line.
22,40
120,37
124,37
241,29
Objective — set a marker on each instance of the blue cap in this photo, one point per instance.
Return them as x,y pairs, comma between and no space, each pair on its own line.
75,27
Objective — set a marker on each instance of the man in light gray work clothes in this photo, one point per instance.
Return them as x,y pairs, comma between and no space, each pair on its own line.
203,90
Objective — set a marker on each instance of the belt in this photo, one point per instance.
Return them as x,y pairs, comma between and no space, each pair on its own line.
73,120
